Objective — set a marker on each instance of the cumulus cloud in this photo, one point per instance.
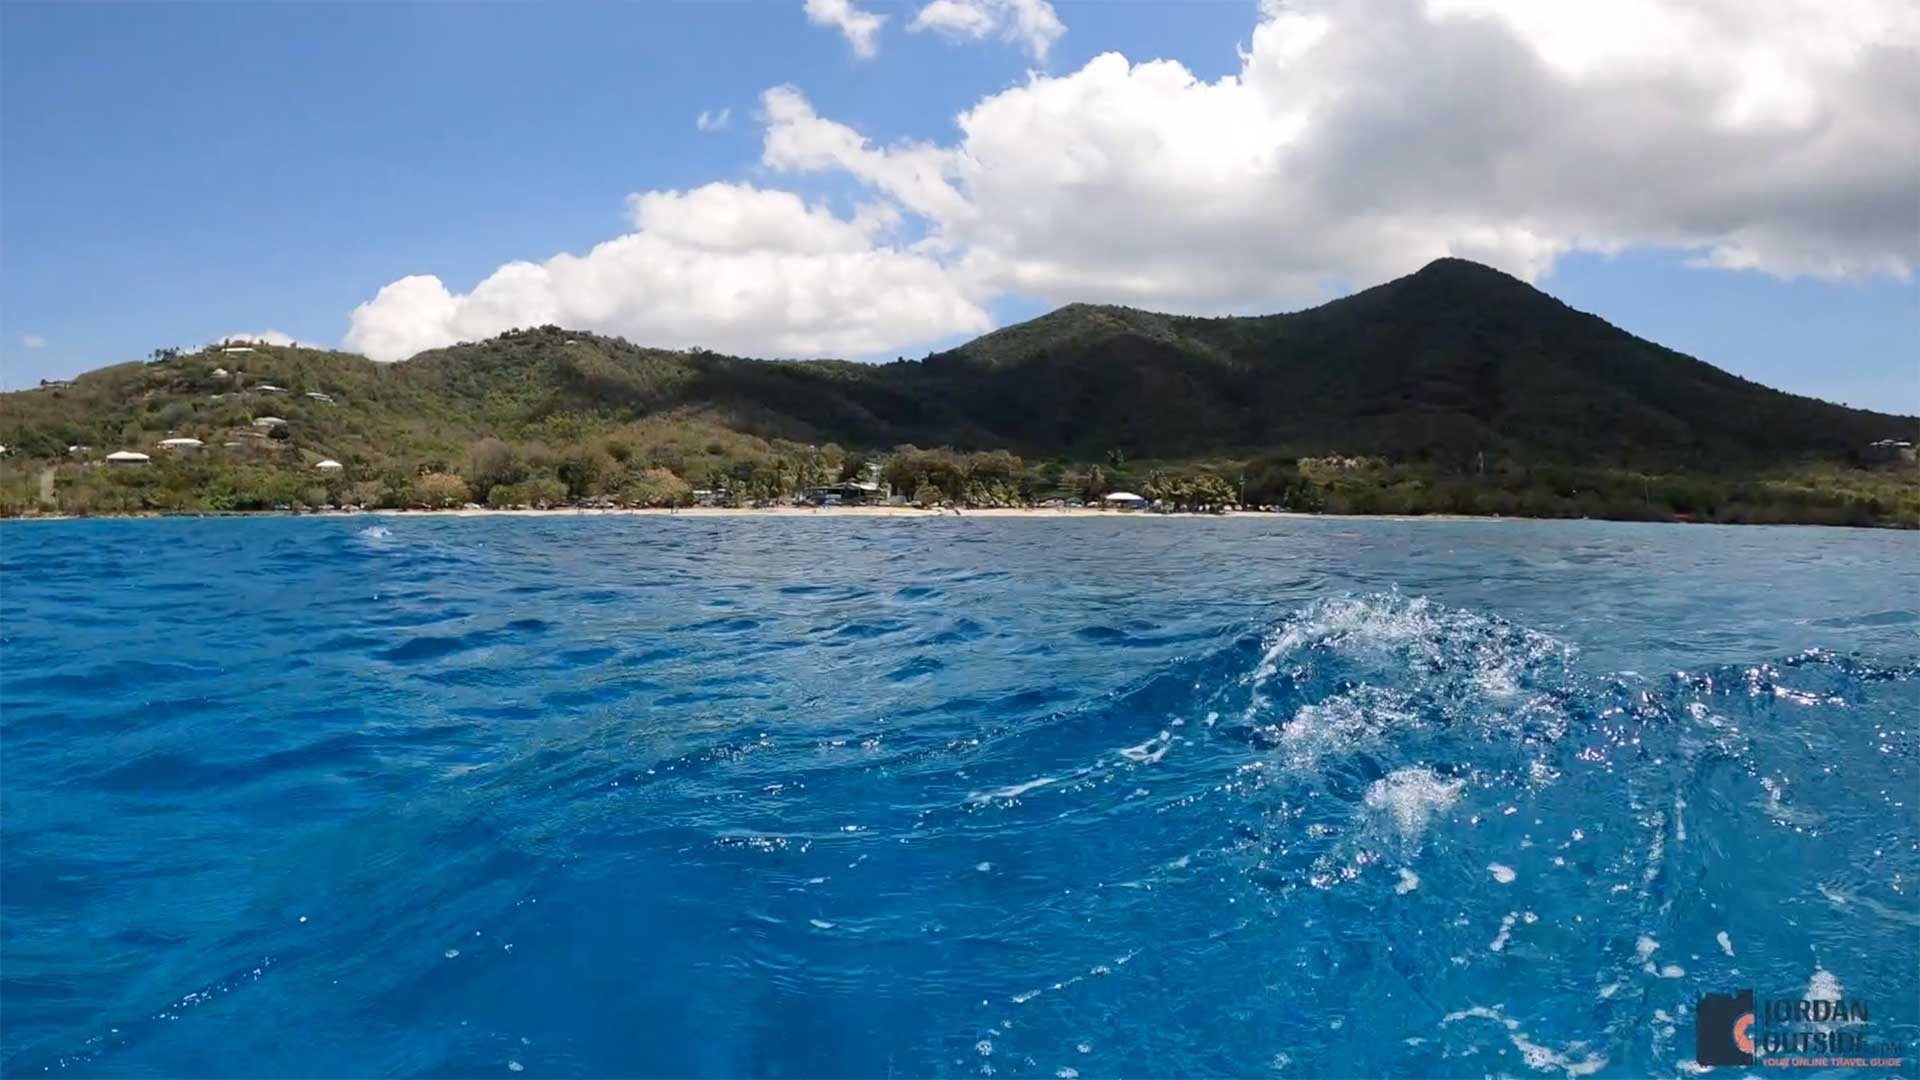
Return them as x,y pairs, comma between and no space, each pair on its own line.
1355,141
919,176
1033,23
713,119
33,341
1360,139
725,266
861,28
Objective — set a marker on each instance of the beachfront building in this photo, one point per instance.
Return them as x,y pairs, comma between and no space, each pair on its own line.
1888,452
127,457
1125,500
181,444
328,465
845,493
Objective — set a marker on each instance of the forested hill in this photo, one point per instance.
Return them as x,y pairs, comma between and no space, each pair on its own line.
1449,362
1455,367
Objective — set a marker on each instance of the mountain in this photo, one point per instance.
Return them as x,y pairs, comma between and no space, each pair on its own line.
1446,363
1453,361
1447,369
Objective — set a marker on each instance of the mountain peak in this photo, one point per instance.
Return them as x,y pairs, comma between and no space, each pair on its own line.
1453,268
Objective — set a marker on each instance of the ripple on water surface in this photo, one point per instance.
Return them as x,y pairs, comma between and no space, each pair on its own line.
852,797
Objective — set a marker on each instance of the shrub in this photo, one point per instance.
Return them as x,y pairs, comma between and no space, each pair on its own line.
656,487
440,491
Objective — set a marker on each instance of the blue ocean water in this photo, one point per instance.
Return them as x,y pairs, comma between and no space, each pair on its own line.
859,797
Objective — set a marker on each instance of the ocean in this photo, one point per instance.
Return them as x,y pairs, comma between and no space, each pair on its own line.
679,796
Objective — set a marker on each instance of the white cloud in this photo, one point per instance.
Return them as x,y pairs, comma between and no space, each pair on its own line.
1363,138
862,28
1033,23
726,266
713,119
1357,140
33,341
918,175
959,19
268,337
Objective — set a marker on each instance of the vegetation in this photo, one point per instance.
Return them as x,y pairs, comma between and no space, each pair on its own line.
1454,390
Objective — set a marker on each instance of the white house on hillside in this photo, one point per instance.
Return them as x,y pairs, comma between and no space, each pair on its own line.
127,457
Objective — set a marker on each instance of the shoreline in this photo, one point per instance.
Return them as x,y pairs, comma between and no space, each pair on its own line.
726,512
908,512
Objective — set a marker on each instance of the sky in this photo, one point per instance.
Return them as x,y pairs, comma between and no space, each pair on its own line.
872,179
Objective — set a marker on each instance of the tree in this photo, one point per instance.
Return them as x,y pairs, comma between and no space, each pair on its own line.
854,467
543,492
440,491
1278,481
1094,484
491,461
656,487
582,469
366,493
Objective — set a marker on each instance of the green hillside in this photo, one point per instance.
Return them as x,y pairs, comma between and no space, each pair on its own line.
1457,388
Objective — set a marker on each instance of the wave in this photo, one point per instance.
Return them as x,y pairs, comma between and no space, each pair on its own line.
1456,790
1278,833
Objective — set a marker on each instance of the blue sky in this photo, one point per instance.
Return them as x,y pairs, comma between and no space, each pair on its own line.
174,172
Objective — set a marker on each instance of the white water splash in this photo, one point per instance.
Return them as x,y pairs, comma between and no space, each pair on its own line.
1363,717
1499,943
1411,797
1011,791
1150,751
1537,1056
1428,633
1823,986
